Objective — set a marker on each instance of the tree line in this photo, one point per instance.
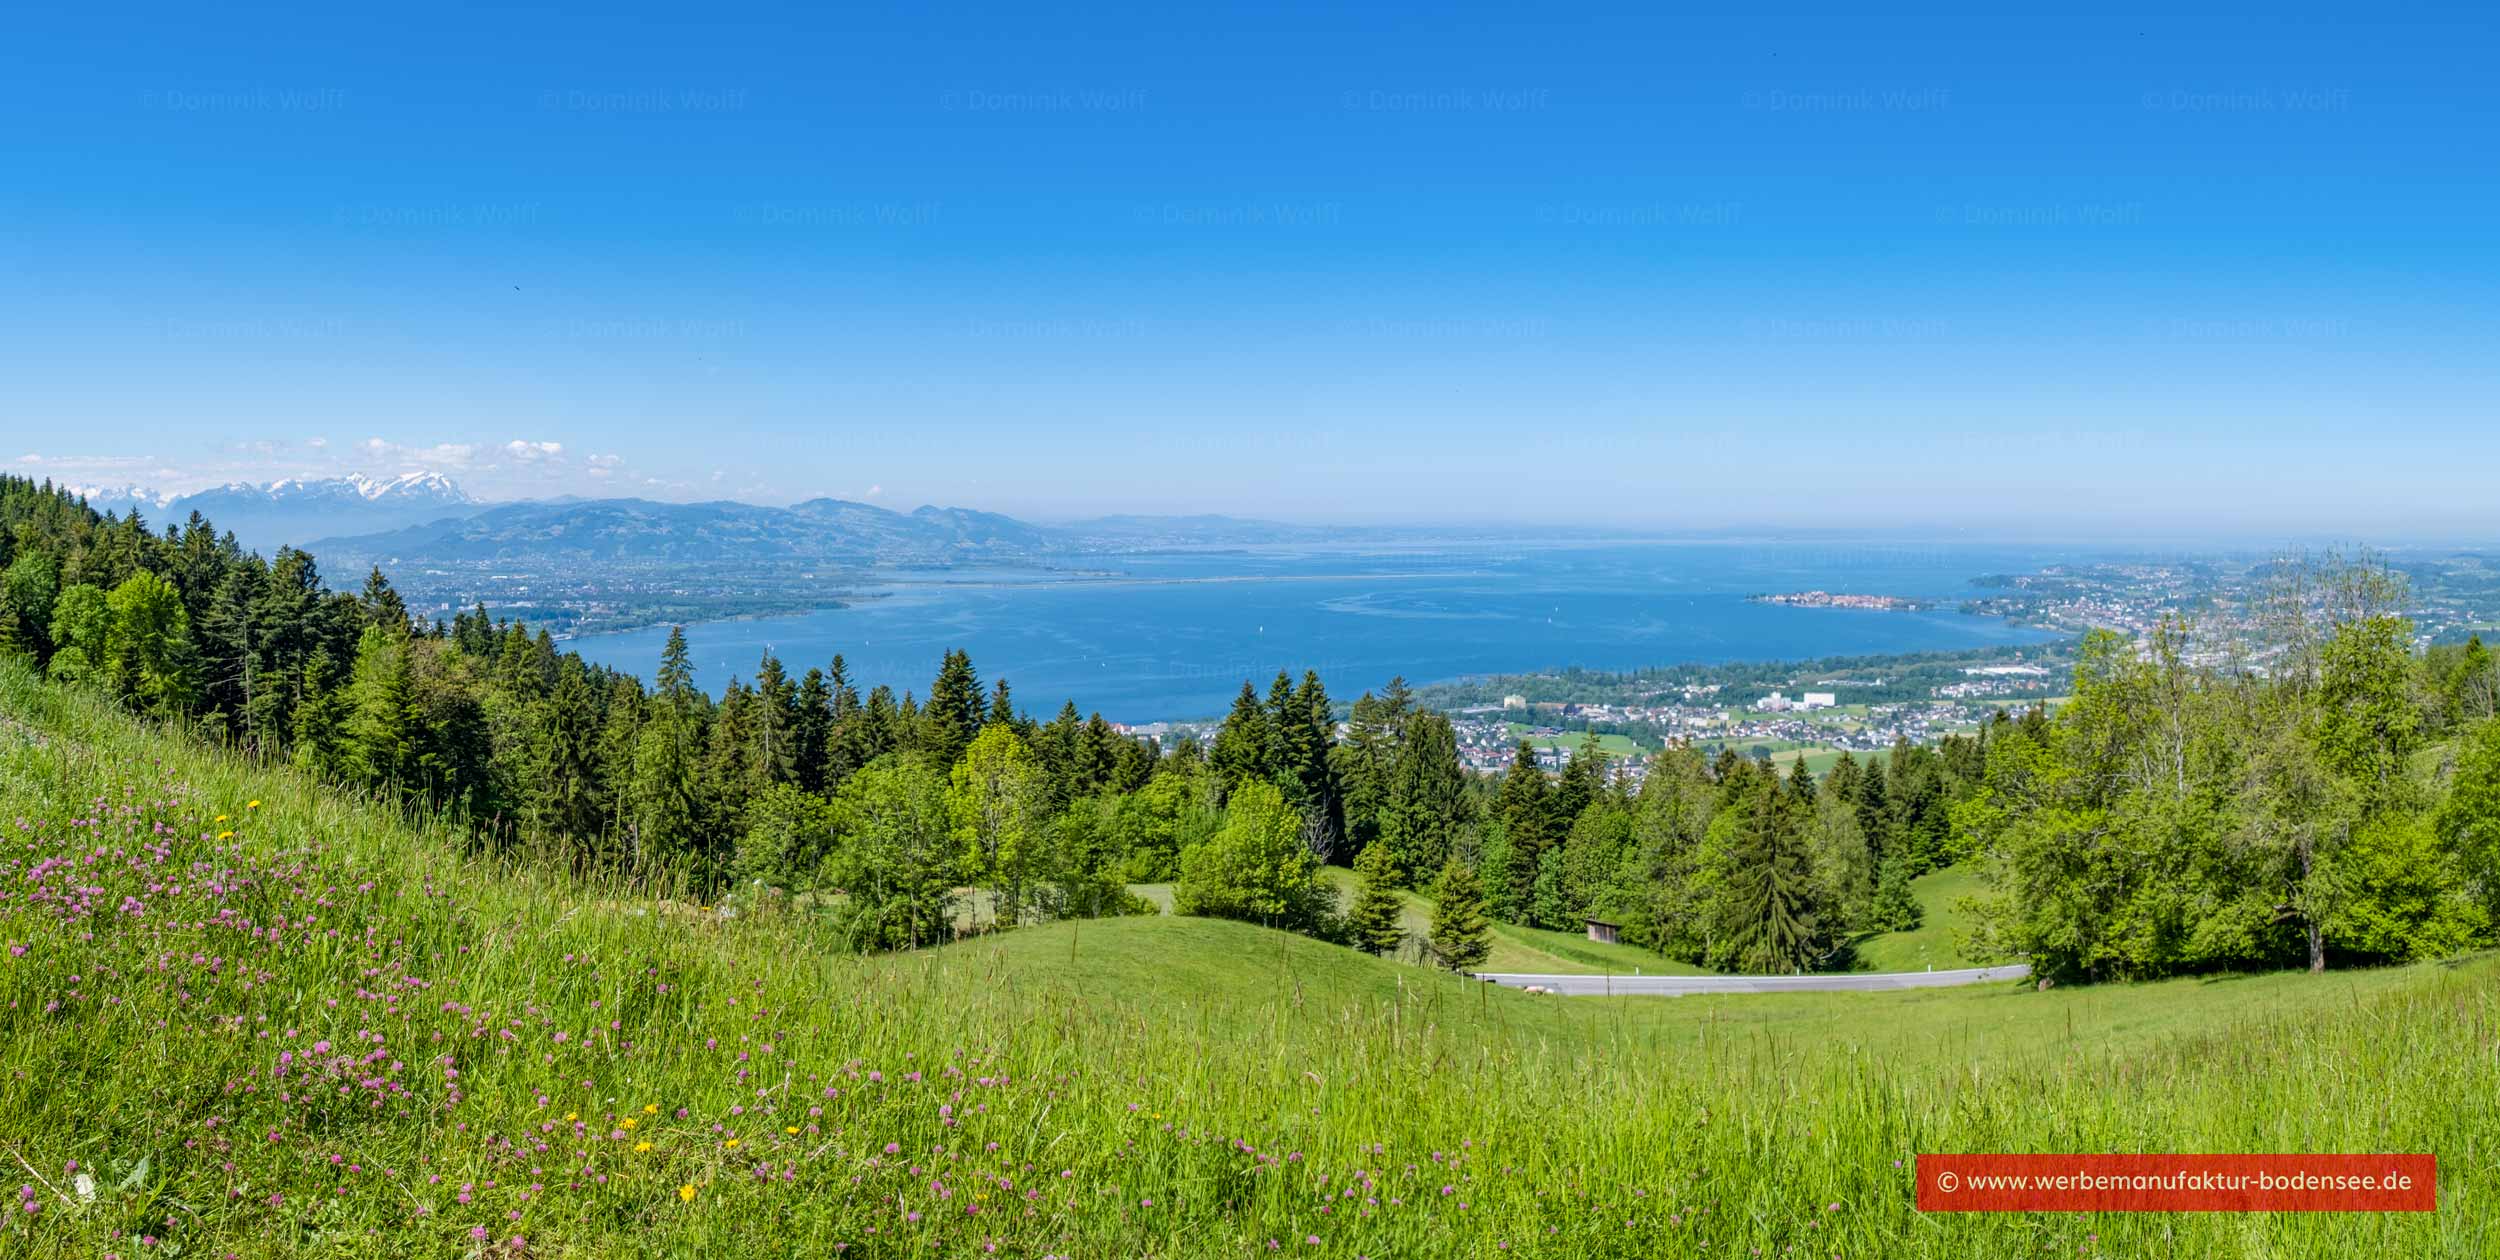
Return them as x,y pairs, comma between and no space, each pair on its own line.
2184,811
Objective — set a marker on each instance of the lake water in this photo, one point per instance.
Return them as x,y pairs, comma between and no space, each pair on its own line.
1172,635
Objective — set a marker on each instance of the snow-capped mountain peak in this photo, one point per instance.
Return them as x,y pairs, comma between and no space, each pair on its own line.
296,509
410,485
121,495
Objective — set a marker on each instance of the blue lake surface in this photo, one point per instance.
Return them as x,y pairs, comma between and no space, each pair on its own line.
1173,634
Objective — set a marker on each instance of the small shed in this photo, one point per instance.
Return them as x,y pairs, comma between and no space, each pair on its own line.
1601,931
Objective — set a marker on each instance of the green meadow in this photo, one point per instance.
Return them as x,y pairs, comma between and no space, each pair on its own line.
246,1016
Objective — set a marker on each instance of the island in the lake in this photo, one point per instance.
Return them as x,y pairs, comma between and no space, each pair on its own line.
1828,599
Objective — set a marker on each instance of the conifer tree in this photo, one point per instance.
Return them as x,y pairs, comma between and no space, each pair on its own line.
1525,806
811,731
1372,922
1874,805
1362,761
1427,798
1461,936
772,754
1241,744
676,678
953,714
852,741
1288,738
1583,777
382,605
620,726
1767,922
881,724
564,788
315,722
1097,754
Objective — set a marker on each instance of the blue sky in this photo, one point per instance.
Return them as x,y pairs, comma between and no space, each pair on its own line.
2229,272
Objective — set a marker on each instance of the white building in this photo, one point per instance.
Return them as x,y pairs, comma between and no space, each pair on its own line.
1818,700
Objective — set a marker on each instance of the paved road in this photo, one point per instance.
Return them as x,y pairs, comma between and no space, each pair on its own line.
1677,986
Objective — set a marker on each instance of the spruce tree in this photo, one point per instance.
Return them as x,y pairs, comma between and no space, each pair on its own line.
1767,922
1097,754
382,605
1525,807
772,754
564,796
1583,777
1427,798
1874,805
881,727
1241,744
1288,739
811,731
1321,800
676,679
1461,936
1362,762
851,741
953,714
1372,922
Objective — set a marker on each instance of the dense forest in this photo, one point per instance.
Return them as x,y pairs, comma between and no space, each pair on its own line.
2188,810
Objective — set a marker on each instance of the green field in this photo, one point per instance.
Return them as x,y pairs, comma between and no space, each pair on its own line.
1930,945
1569,741
338,1032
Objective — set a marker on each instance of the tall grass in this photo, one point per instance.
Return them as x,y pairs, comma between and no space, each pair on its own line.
338,1033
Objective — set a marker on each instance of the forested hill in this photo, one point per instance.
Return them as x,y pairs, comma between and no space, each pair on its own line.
2180,813
817,532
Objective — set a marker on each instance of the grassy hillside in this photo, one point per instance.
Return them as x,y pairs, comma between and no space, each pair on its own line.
307,1027
1930,945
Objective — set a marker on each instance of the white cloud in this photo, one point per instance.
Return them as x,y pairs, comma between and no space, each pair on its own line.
532,452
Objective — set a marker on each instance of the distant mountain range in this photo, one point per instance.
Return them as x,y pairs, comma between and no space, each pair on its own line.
818,532
426,519
296,510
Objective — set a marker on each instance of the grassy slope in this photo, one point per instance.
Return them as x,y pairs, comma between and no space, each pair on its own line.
1139,1057
1929,946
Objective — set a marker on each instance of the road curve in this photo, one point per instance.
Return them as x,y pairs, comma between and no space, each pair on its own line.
1678,986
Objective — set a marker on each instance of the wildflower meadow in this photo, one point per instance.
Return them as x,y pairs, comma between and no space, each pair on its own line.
245,1016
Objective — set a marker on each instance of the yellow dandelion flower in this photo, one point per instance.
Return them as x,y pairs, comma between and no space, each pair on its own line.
651,1109
628,1122
641,1147
686,1193
731,1144
251,804
225,835
221,818
571,1116
791,1129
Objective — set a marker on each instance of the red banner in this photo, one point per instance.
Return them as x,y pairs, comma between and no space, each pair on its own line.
2178,1183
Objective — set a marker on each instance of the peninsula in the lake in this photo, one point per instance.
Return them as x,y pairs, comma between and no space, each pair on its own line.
1829,599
